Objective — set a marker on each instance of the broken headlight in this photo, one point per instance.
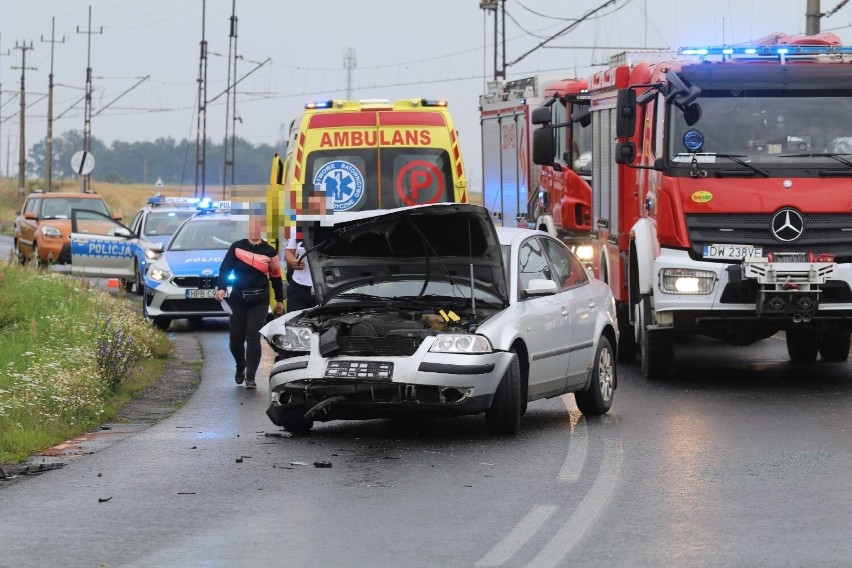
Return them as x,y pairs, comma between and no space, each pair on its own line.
293,339
461,343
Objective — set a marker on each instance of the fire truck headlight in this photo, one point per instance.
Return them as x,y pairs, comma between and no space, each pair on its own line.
584,252
687,281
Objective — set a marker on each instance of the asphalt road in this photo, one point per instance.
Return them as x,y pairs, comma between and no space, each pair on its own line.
743,460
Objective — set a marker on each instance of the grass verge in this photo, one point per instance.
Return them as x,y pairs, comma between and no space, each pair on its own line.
71,356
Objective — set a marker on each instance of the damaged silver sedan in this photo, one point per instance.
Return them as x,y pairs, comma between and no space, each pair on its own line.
432,310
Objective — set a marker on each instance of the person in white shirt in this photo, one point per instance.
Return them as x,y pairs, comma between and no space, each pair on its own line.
300,287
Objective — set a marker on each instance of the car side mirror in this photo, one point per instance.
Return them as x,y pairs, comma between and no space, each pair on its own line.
122,232
117,217
541,287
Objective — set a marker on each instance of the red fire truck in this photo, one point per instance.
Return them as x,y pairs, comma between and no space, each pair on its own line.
728,209
554,198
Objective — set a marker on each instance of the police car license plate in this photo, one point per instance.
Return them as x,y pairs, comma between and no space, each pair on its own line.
196,294
732,252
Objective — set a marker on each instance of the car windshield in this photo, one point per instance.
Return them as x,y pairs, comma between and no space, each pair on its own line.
60,207
159,223
413,290
408,176
209,234
765,128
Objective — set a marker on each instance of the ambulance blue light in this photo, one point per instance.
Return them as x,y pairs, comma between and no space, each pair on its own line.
693,140
231,276
728,51
750,51
433,102
205,204
319,104
783,50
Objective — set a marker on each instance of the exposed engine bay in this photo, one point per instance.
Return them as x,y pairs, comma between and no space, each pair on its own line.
386,330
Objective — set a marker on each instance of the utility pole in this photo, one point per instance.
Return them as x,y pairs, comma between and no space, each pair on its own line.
231,103
201,131
1,106
22,154
812,18
349,63
48,158
87,114
499,9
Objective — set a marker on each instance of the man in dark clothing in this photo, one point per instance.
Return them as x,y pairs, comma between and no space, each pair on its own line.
249,266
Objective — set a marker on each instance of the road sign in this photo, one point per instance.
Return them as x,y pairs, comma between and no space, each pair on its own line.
82,163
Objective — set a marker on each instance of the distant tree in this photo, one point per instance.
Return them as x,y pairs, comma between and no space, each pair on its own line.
143,162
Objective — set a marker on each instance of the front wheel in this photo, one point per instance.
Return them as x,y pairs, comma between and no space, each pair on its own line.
597,399
504,416
835,346
162,323
656,347
802,345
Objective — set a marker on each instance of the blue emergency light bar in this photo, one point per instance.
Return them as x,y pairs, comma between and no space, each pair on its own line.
206,204
433,102
172,201
319,104
768,50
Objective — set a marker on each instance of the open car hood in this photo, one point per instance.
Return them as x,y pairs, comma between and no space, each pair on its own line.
440,242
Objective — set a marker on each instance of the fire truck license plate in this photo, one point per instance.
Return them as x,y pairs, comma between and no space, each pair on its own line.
732,252
195,294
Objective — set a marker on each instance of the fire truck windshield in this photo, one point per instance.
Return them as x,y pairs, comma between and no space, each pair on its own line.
765,127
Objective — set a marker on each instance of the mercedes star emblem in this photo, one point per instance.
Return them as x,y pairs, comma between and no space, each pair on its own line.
787,225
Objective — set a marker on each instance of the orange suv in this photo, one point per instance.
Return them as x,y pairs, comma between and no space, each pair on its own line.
43,226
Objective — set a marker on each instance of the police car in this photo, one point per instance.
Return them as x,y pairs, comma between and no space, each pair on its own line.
154,224
182,281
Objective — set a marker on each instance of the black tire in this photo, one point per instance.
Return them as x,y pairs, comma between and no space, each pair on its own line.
35,257
126,285
627,348
656,348
140,279
22,258
597,399
802,345
835,346
162,323
296,423
504,416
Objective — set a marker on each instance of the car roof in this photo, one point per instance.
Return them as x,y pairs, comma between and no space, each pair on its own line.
66,194
509,234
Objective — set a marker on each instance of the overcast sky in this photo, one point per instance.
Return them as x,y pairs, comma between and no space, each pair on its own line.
402,49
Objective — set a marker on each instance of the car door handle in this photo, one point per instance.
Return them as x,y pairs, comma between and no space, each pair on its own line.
592,306
565,312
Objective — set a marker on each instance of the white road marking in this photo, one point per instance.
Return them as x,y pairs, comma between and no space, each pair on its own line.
590,508
518,536
578,446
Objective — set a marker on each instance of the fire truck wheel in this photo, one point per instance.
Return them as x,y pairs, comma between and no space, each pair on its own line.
656,348
627,338
835,346
802,345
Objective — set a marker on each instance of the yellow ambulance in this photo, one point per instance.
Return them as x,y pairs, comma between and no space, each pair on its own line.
347,156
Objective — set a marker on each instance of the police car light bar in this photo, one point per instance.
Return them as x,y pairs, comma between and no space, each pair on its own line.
768,50
172,201
206,204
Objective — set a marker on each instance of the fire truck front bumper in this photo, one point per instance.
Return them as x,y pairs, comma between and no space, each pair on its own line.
754,292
